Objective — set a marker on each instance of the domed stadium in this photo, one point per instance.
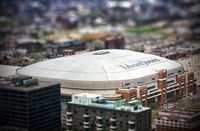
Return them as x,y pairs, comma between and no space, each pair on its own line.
102,71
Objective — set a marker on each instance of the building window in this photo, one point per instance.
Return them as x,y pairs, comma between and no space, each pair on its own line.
179,71
169,82
153,90
151,87
170,74
170,95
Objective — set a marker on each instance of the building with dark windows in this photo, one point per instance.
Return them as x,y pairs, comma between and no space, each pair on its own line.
60,46
114,42
92,112
29,105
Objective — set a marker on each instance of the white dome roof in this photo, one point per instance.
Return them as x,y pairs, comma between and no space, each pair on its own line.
99,69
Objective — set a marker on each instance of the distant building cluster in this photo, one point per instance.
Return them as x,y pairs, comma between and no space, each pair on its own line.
16,52
170,48
178,51
62,47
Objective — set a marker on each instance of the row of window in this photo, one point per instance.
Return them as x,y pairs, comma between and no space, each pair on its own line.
171,123
141,118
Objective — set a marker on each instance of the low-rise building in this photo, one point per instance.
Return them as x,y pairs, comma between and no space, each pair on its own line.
115,42
183,117
58,47
110,112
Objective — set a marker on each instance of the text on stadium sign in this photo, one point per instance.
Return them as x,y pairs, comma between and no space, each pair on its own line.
139,63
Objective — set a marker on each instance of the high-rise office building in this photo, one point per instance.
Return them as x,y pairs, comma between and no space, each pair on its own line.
30,105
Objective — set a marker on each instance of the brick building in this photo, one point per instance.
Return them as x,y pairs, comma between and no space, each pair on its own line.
182,117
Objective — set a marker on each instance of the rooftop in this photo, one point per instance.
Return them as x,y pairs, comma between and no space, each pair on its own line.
10,86
100,101
102,65
87,95
8,70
